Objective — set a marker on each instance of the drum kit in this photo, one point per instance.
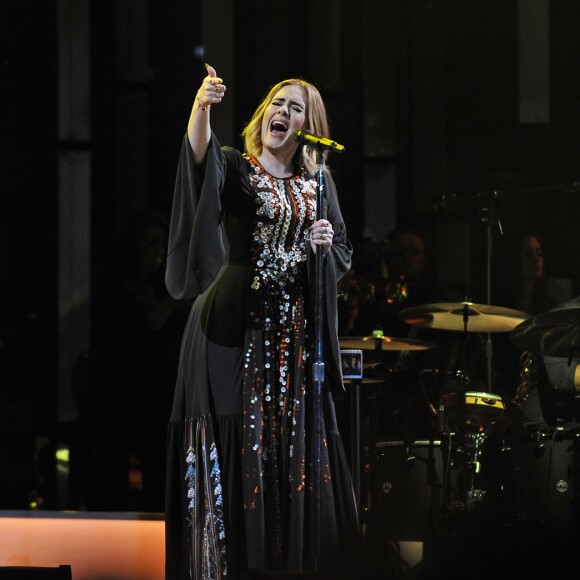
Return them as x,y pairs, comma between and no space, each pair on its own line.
465,418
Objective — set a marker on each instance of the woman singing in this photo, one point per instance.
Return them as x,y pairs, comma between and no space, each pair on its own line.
240,484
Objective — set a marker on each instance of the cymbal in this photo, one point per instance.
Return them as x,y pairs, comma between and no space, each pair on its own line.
455,315
384,343
553,333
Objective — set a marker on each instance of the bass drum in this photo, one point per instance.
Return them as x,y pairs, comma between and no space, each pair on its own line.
532,479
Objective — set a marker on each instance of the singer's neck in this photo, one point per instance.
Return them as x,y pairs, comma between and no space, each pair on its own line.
280,164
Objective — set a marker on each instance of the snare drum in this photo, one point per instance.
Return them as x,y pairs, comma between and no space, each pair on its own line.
481,409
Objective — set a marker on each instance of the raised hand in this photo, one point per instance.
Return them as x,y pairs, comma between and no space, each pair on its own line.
212,89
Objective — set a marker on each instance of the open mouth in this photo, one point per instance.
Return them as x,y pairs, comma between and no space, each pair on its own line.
278,128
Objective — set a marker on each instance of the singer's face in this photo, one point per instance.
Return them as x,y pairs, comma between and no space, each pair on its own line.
284,115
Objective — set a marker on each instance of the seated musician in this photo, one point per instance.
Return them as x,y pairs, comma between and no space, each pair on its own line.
549,392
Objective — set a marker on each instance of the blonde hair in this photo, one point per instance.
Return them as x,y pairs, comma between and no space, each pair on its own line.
316,122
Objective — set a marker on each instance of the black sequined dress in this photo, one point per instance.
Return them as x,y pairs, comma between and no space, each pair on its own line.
240,445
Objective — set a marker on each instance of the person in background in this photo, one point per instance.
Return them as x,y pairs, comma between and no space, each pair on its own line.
411,277
522,287
405,254
404,278
243,239
359,290
563,372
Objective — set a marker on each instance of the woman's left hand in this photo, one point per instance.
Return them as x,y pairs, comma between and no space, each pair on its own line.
321,234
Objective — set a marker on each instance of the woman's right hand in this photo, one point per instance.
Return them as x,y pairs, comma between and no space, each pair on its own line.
212,89
209,93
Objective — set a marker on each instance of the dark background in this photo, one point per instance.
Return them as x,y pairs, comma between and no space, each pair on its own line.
423,94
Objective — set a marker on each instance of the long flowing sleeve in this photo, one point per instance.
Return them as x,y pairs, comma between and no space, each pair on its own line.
196,249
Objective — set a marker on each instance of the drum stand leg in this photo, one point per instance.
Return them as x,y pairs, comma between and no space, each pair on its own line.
464,454
473,448
356,443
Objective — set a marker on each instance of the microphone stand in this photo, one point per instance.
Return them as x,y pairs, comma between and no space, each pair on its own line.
320,144
318,367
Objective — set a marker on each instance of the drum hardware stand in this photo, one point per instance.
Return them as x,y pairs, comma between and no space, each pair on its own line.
469,445
473,467
356,440
490,215
465,459
466,482
357,453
